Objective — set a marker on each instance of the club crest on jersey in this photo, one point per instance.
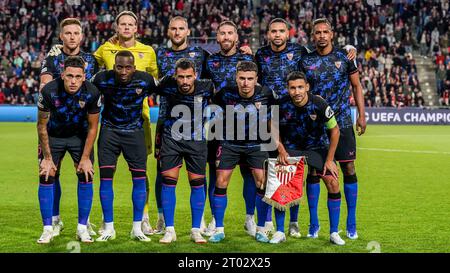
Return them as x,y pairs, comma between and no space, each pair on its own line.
313,116
138,91
141,55
198,98
290,56
216,64
337,64
82,103
192,54
258,105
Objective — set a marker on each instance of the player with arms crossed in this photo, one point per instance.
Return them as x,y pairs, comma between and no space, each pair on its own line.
68,114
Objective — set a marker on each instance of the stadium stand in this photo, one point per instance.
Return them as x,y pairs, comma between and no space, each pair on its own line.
389,37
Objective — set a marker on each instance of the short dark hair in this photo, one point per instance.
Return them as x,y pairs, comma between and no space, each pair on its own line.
279,20
321,21
246,66
184,64
124,53
126,12
296,75
227,23
74,61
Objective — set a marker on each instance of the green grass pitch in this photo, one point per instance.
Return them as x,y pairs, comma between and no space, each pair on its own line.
403,206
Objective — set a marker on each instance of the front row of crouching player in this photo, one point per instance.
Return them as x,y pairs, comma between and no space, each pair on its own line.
69,110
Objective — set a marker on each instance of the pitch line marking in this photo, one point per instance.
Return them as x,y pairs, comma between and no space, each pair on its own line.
403,151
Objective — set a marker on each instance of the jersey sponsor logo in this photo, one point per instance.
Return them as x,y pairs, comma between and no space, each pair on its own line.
338,64
329,112
313,116
141,55
82,103
192,54
290,56
138,91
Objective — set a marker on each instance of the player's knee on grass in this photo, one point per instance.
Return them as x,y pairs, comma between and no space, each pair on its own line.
50,179
348,168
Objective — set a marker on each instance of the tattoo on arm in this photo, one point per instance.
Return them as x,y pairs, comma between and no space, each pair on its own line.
43,118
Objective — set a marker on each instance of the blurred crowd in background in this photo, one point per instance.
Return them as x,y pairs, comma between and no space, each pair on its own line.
389,38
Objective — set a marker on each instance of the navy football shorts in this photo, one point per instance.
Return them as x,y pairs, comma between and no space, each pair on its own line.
194,153
112,142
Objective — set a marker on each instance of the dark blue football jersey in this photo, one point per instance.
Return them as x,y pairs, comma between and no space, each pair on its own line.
274,67
123,103
54,65
250,112
166,59
193,105
305,127
68,113
222,69
328,77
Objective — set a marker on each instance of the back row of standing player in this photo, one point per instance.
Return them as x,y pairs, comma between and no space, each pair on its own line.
329,77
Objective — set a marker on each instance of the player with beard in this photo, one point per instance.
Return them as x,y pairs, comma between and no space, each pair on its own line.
275,61
178,32
221,68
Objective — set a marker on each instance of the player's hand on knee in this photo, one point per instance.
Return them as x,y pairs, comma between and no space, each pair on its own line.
47,168
55,50
85,166
331,167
